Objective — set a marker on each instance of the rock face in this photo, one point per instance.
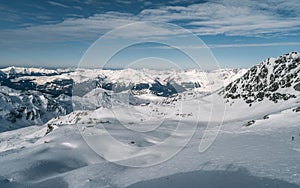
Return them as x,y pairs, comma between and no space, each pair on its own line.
274,79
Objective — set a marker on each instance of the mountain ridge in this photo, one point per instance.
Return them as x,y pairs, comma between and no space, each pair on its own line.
273,79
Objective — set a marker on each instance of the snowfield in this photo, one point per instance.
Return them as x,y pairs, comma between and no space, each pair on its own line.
263,153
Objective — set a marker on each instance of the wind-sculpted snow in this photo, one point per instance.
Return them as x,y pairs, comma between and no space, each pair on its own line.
262,154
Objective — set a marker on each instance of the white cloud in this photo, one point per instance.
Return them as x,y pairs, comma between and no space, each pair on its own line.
229,17
72,29
239,18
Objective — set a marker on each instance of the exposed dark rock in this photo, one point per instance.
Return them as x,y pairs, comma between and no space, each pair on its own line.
297,87
297,109
249,123
266,117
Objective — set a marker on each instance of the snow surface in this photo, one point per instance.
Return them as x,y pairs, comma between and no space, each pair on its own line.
262,153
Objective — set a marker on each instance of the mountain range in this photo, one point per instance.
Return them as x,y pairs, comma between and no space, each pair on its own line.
90,127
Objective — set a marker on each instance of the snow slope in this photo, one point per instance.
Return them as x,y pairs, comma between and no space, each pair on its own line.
263,151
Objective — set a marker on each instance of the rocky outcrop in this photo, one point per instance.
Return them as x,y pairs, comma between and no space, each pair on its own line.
273,79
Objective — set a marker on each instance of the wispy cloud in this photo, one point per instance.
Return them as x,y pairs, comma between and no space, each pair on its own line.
225,45
235,18
254,45
57,4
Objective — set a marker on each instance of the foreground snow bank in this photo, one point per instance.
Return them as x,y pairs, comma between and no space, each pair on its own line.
214,179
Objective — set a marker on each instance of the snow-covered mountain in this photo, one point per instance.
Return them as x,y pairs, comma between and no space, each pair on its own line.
33,95
251,127
274,79
25,79
167,83
19,109
161,83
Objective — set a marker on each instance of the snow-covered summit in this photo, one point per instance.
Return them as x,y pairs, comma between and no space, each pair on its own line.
13,72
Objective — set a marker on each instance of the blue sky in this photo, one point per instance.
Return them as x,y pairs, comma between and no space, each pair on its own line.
57,33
